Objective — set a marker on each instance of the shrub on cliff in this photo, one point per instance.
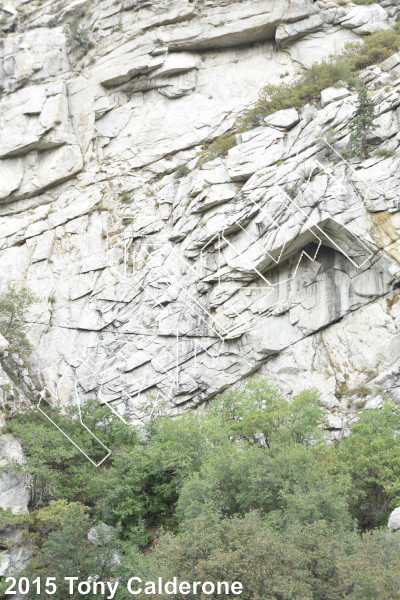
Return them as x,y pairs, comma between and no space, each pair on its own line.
219,147
375,48
14,302
77,36
342,67
336,69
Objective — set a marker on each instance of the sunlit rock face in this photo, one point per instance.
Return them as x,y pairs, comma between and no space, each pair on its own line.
160,277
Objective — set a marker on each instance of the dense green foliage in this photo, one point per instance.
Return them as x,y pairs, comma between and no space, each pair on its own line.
338,69
362,124
247,490
14,303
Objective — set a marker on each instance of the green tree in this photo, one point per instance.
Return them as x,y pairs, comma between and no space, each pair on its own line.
245,549
14,303
59,469
362,124
288,485
246,490
371,455
66,552
371,572
261,414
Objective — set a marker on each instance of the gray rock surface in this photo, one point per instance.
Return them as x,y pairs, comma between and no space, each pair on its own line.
283,119
3,344
101,534
14,496
14,487
160,277
332,94
394,520
16,557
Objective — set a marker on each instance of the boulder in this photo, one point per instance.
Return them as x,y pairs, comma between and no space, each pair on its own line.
391,63
288,32
332,94
394,520
101,534
366,19
3,344
283,119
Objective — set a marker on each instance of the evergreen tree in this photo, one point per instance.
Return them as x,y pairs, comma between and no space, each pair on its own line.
362,124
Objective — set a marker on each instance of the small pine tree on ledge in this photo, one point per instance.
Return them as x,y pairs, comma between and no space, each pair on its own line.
362,124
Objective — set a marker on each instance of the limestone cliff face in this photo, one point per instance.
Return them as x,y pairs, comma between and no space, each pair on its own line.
157,278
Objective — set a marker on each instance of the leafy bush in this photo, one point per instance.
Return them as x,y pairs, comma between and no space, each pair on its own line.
338,69
219,147
304,89
286,486
371,572
372,458
14,303
376,47
312,562
238,549
385,152
40,523
181,171
247,490
66,551
58,469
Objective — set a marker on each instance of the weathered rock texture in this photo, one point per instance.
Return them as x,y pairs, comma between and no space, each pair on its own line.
280,258
394,520
14,495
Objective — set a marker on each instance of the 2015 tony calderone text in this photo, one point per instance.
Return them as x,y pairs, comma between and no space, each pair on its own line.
135,586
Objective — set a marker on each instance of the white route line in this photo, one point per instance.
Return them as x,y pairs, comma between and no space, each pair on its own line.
88,361
262,210
295,212
101,369
82,423
192,302
370,186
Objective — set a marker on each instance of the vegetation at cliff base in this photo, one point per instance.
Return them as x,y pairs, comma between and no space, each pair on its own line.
247,490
